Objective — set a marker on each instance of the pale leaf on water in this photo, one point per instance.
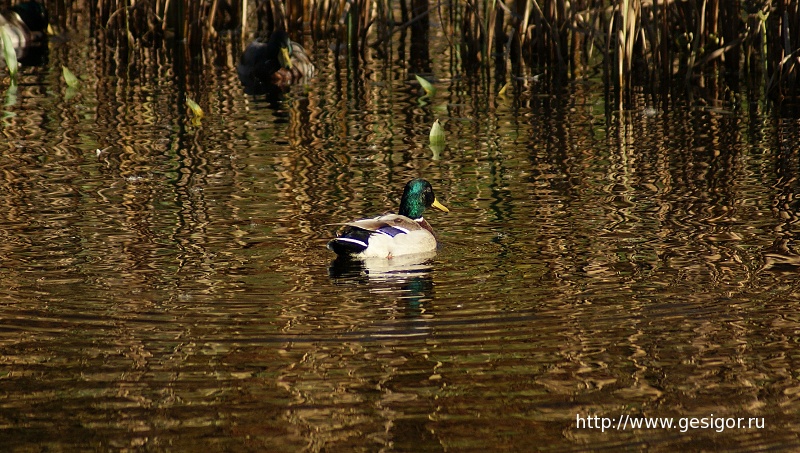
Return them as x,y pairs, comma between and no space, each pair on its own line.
9,53
430,90
437,133
503,90
69,77
196,110
194,107
437,140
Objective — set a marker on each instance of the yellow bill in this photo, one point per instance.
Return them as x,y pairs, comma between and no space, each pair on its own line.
286,59
439,206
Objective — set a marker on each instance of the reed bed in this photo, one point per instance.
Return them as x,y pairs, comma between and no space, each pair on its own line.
658,45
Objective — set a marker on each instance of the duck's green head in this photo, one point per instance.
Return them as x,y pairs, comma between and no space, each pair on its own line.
417,196
33,14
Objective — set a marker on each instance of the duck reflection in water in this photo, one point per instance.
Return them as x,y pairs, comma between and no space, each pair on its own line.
26,25
407,276
380,268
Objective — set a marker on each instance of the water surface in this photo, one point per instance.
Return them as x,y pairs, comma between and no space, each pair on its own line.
166,286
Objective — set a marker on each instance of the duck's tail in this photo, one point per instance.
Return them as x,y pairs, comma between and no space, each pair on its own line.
352,241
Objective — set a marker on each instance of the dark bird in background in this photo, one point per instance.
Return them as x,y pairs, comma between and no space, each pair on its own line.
278,62
26,24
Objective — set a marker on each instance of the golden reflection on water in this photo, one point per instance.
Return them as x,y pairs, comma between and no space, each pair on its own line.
166,285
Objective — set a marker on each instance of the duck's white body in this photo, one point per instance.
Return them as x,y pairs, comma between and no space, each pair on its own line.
387,236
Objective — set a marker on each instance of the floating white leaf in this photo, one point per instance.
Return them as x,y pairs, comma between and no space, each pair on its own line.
9,53
437,134
430,90
437,139
69,77
196,110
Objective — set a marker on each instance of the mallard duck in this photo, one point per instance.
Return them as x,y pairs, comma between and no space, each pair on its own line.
26,24
279,61
392,235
